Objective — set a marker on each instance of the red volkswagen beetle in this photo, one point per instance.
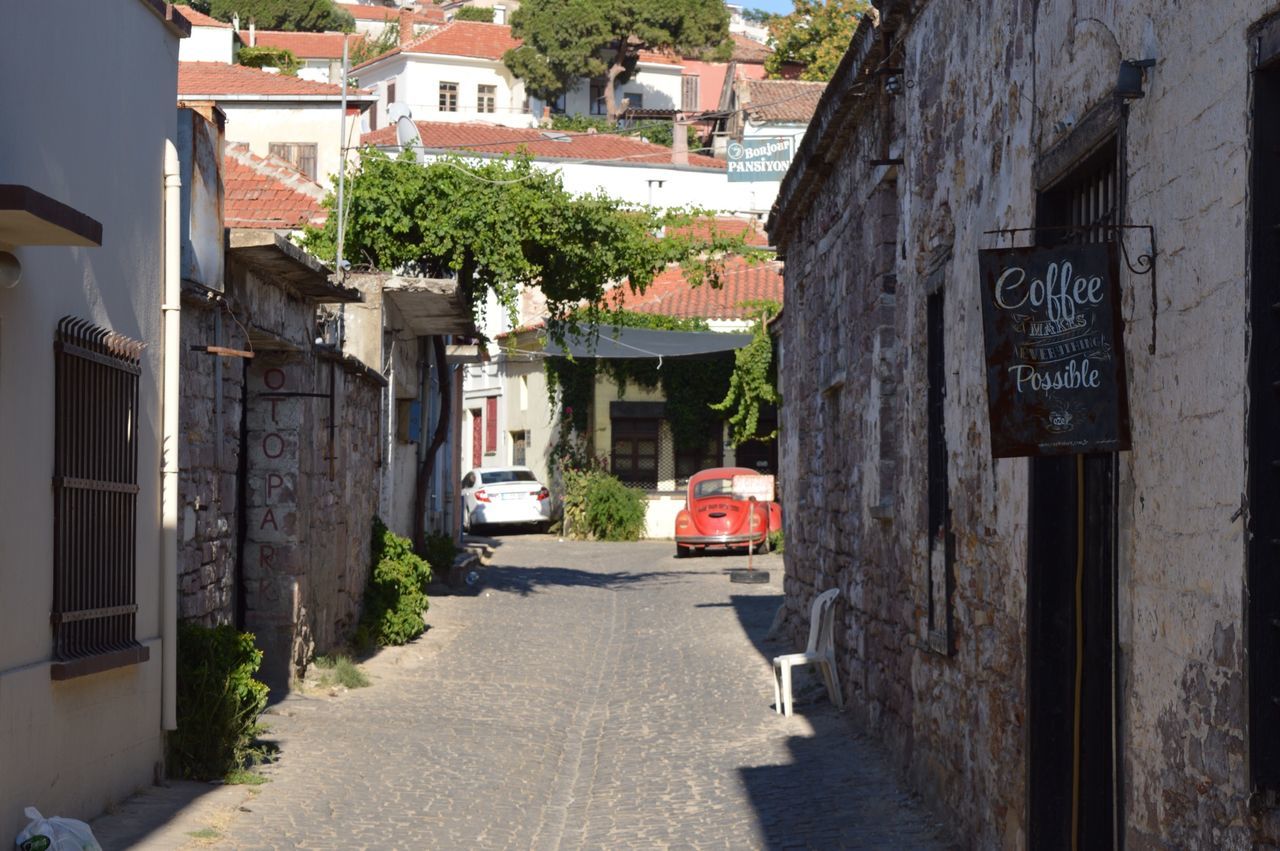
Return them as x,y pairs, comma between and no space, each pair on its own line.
714,517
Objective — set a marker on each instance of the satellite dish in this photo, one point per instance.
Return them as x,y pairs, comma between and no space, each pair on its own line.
408,136
397,110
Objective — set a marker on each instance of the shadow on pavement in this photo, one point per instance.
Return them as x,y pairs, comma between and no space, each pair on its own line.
530,580
838,791
756,612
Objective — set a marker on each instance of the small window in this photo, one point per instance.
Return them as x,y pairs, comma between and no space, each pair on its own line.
635,451
689,92
300,155
558,105
690,461
519,447
633,100
448,97
391,93
95,496
486,98
499,14
598,103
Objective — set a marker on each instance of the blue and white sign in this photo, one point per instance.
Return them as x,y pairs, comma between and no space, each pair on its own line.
762,158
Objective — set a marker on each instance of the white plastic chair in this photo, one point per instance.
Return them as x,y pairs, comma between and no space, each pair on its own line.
819,652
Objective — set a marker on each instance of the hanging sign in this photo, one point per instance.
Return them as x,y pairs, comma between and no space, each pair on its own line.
763,158
1054,348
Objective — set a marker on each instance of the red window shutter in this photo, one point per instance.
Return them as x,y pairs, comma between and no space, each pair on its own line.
491,424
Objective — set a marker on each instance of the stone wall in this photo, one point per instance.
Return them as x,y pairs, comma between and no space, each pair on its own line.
212,393
994,90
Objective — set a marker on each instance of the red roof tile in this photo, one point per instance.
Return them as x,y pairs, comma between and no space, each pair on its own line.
729,226
266,192
304,45
491,138
671,295
459,38
211,79
200,19
780,100
749,50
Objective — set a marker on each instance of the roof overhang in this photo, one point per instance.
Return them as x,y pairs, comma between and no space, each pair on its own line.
28,217
319,100
429,306
271,255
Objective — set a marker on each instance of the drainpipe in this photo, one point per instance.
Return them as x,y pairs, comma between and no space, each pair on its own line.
171,310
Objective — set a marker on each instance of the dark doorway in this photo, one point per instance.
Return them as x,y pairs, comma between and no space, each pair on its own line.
1071,584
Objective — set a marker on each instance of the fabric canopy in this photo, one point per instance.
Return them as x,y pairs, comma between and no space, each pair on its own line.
647,343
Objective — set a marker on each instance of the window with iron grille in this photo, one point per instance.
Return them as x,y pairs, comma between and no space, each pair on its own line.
691,460
448,97
634,452
95,491
689,92
519,448
598,105
486,98
301,155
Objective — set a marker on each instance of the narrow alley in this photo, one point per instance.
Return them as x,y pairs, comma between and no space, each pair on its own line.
593,696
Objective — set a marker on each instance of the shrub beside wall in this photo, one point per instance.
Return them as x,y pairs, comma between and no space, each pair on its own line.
597,505
218,699
396,596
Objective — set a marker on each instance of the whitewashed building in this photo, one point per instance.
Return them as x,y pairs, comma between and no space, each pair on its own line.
85,701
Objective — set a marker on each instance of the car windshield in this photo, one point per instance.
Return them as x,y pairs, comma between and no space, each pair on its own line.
497,477
713,487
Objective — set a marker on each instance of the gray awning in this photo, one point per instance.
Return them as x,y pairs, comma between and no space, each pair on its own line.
646,343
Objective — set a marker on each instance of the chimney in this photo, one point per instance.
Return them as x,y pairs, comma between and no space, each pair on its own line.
406,26
546,116
679,140
253,36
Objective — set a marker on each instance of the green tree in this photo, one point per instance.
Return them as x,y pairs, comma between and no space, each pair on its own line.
815,35
753,383
287,15
364,49
498,225
570,40
474,13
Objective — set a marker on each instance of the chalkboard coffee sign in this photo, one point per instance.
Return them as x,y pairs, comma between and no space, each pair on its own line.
1055,352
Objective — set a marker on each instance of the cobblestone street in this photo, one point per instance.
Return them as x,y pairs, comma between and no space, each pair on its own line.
593,696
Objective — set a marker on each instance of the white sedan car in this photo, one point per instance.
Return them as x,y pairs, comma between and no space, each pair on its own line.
499,496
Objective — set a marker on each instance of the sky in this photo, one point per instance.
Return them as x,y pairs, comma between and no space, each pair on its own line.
781,6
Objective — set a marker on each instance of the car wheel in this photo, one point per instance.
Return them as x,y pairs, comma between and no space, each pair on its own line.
763,548
682,552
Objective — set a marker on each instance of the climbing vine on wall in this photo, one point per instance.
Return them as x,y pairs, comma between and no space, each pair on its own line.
753,384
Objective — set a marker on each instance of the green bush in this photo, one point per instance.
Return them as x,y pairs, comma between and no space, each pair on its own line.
395,597
269,57
777,541
219,702
441,550
474,13
597,505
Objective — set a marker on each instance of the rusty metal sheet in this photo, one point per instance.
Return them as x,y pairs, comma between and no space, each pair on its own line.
1054,350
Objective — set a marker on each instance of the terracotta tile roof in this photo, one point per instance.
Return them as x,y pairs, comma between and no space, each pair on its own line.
212,79
729,226
266,192
200,19
459,38
780,100
749,50
657,58
304,45
425,15
671,295
491,138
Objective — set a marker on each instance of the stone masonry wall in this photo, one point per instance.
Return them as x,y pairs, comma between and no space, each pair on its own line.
991,88
208,459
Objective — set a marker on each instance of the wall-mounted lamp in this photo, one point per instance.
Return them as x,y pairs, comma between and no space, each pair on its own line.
892,81
1129,83
10,270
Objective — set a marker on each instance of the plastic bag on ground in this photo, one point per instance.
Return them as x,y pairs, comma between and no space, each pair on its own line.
54,834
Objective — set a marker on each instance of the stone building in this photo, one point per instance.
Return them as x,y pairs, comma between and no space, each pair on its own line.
1062,649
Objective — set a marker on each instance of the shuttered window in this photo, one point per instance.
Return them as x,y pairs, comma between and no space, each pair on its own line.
491,424
689,93
95,491
300,155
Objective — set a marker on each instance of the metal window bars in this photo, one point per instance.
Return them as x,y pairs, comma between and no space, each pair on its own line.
95,486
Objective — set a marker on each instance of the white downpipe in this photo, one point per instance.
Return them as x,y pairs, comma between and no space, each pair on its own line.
172,312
